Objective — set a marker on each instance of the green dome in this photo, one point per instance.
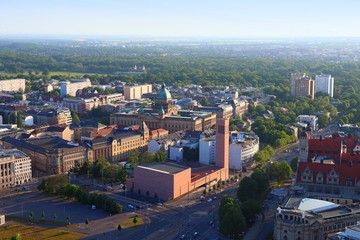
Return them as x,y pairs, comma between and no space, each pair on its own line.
163,93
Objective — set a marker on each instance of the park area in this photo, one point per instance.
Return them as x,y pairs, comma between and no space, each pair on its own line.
37,233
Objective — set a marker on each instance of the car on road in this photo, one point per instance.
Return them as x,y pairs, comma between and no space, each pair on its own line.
214,198
209,200
130,206
196,234
211,222
202,198
26,188
183,236
159,204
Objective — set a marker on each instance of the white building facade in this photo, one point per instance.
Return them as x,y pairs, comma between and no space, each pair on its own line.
325,84
70,88
15,168
207,150
242,149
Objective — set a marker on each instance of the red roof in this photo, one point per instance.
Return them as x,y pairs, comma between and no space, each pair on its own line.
345,171
332,146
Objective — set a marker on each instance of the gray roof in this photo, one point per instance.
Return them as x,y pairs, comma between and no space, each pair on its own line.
167,168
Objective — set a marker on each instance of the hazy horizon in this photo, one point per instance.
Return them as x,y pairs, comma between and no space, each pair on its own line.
186,19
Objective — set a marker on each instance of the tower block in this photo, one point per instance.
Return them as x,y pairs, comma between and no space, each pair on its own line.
222,146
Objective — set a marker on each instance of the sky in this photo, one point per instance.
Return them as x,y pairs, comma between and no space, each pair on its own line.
186,18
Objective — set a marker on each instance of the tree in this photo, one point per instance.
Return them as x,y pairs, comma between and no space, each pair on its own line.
251,208
55,216
31,215
231,218
146,157
42,215
87,222
134,157
294,164
204,101
119,227
19,120
160,156
261,179
16,237
248,188
280,171
122,175
68,219
75,117
135,220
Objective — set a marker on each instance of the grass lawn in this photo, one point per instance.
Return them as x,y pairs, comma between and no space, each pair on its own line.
127,223
37,233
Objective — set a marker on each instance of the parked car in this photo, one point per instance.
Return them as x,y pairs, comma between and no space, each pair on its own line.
26,188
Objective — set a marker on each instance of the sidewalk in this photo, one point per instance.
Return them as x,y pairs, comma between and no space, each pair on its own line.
255,229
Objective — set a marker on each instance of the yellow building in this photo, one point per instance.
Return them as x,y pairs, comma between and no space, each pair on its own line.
163,114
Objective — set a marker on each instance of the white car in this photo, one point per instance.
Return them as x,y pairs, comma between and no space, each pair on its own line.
130,206
209,200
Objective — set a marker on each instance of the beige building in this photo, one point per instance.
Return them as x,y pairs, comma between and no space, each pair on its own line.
163,114
12,85
15,168
302,85
116,147
51,155
132,92
81,105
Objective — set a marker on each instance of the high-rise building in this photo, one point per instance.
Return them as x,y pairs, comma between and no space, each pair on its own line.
301,85
325,84
222,146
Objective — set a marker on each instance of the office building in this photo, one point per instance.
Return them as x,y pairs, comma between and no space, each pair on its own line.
15,168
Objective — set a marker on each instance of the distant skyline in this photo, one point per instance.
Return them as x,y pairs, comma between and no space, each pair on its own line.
185,18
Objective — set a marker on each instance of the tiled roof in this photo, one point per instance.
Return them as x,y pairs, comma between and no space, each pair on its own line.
345,171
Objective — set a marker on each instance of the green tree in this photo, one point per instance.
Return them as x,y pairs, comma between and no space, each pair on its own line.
251,208
19,120
55,216
75,117
31,215
146,157
122,175
87,222
119,227
231,218
68,219
204,101
16,237
134,158
261,179
280,171
294,163
42,215
160,156
248,188
135,220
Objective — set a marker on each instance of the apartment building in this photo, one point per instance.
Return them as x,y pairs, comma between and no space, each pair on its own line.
70,88
325,84
12,85
302,85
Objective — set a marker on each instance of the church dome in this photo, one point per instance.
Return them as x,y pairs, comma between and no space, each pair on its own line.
163,93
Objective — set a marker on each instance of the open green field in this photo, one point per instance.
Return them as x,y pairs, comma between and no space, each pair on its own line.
37,233
2,73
